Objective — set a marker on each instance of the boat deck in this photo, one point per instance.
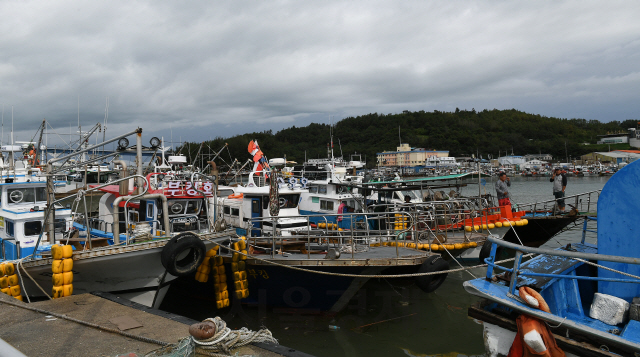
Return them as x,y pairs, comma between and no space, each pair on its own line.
37,333
373,256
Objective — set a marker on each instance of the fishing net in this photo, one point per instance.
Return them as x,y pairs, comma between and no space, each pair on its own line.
219,345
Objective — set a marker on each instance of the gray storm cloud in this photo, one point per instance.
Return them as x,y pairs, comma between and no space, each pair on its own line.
221,68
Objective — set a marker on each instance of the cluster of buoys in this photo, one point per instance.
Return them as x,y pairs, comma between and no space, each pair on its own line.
62,267
329,226
202,274
9,282
498,224
220,282
427,246
400,222
238,267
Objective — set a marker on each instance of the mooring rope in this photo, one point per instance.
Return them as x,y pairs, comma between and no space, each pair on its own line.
218,345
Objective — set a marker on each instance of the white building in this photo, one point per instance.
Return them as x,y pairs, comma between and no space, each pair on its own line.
511,160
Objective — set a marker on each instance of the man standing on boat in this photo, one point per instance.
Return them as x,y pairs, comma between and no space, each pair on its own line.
559,185
501,189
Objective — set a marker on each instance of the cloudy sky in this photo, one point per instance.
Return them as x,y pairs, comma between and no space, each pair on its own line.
201,69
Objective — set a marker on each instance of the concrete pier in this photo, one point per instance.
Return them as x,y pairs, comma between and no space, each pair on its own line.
34,331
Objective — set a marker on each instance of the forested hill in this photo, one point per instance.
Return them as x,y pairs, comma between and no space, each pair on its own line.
461,132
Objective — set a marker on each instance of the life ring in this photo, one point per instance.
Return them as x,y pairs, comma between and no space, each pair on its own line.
236,195
174,259
429,283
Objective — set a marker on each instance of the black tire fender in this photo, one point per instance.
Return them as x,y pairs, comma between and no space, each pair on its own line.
183,254
485,251
429,283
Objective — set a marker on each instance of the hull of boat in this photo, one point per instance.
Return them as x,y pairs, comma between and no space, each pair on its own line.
134,271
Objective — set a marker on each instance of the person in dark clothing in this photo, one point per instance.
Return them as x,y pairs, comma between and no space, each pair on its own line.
559,185
501,190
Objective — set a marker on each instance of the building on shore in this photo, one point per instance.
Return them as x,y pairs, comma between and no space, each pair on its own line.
406,156
614,157
540,157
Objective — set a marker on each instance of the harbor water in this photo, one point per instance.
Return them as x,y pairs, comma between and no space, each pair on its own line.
388,317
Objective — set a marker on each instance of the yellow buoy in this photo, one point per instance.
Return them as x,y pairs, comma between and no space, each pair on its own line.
484,226
236,276
476,228
226,302
241,265
212,252
1,269
436,247
245,293
57,279
491,226
19,297
459,246
225,294
519,224
204,269
15,290
525,221
243,275
67,265
234,267
244,254
56,266
6,291
499,224
222,278
67,290
67,251
9,269
218,260
4,282
56,292
239,294
468,228
219,304
242,245
56,252
473,244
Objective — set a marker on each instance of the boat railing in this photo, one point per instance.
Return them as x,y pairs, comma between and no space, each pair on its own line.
583,202
520,250
359,236
81,194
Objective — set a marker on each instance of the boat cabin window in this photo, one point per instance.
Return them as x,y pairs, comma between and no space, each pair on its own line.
177,207
149,209
255,206
225,193
32,228
313,189
322,189
411,194
27,195
288,201
10,228
326,205
235,212
226,210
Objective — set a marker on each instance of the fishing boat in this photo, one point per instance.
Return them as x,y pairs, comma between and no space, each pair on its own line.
587,294
284,260
138,264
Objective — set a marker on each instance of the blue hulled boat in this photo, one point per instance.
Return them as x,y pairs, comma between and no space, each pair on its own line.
592,290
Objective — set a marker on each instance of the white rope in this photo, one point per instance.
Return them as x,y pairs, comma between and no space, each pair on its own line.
607,268
226,339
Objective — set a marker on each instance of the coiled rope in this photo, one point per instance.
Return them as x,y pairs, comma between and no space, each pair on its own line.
218,345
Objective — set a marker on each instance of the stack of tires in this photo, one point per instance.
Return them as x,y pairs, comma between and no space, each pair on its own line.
62,267
9,282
